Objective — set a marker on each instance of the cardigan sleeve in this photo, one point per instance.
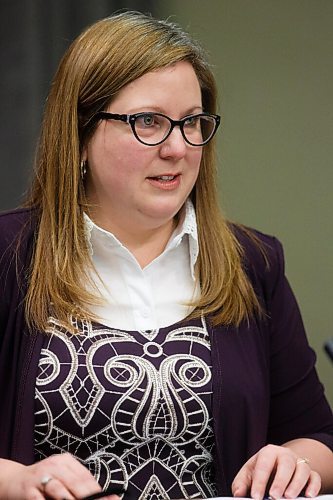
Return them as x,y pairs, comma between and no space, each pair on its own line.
15,251
8,278
16,416
298,407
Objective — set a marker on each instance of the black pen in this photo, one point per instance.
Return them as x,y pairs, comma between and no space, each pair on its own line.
112,490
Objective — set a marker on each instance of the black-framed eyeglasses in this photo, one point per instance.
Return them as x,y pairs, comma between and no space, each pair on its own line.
152,129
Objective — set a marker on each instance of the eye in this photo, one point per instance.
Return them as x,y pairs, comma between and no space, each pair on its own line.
192,121
146,120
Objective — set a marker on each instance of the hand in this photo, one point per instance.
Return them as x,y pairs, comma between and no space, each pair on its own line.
278,470
55,477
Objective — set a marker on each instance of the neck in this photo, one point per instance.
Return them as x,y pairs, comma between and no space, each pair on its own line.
149,245
145,243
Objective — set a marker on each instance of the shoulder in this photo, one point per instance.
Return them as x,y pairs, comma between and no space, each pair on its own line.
258,247
17,230
15,218
16,223
262,255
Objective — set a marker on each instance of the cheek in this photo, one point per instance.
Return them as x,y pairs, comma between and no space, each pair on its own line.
115,159
196,160
132,158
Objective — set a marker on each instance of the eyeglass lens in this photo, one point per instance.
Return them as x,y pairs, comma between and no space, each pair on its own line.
152,128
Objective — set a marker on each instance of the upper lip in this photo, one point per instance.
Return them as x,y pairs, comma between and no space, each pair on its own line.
167,174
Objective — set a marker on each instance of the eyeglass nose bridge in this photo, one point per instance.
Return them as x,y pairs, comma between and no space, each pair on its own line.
173,124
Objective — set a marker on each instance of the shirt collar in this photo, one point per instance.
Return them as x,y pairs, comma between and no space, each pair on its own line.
187,226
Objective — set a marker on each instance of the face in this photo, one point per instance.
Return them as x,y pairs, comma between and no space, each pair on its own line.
134,186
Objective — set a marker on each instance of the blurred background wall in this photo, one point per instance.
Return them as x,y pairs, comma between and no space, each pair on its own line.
273,64
34,34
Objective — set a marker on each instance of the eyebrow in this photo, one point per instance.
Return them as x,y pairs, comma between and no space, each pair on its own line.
157,109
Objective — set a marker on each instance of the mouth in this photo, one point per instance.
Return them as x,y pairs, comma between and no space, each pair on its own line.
164,178
166,182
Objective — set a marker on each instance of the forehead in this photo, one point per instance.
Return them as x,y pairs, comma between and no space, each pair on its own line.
177,83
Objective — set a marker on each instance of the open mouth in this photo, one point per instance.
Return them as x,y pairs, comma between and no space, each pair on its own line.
164,178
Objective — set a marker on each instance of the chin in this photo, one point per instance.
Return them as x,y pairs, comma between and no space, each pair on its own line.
163,214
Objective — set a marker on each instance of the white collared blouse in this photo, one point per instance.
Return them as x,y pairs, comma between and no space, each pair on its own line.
139,299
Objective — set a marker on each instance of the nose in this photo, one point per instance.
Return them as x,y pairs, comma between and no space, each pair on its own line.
174,146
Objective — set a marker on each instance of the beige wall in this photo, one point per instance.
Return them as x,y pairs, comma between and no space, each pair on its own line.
274,66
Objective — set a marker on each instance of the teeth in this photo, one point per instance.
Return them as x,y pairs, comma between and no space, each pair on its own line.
166,177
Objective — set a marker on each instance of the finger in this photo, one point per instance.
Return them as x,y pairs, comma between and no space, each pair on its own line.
240,491
83,482
243,479
73,475
81,487
285,470
299,480
263,469
34,494
241,485
57,490
314,485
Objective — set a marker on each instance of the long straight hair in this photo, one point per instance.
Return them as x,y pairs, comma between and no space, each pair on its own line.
100,62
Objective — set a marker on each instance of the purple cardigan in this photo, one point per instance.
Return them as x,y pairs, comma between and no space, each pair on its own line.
265,387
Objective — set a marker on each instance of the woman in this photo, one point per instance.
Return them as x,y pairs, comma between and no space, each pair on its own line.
146,342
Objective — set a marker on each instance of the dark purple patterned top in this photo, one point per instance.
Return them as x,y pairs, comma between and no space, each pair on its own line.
134,407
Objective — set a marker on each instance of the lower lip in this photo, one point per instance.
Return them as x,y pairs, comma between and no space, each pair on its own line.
165,185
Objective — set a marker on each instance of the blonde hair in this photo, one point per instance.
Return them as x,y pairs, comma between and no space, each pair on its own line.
103,59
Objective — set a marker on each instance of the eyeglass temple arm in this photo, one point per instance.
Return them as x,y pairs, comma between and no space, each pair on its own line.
113,116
